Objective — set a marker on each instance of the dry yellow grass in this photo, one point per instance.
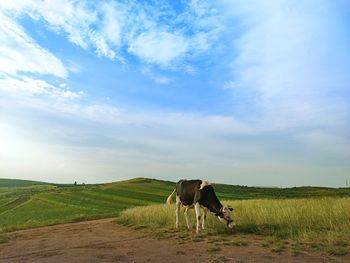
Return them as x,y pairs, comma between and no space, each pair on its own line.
309,220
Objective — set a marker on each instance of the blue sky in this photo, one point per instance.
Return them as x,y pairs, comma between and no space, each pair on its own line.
239,92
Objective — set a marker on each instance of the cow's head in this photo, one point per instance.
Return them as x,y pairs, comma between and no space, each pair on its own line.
225,216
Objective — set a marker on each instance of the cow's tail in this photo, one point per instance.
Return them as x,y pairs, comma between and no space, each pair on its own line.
168,200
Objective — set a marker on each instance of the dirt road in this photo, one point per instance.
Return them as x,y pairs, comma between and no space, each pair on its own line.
106,241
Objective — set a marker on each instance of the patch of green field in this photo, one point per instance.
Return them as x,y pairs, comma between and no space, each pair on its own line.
229,192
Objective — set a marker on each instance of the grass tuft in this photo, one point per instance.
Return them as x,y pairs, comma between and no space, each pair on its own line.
214,249
4,239
338,251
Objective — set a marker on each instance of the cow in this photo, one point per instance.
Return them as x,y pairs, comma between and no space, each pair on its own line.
199,194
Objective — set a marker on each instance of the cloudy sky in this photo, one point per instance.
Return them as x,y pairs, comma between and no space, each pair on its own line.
238,91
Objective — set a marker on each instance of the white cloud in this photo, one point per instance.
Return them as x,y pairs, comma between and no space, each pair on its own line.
171,39
112,24
112,28
230,85
109,143
101,113
26,86
159,47
27,70
73,67
102,47
63,16
159,79
289,57
72,17
162,80
19,52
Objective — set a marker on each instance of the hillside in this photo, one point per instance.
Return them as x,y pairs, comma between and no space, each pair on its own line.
31,204
246,192
37,205
18,183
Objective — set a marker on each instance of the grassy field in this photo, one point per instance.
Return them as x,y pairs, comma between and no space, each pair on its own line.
319,222
26,204
305,215
18,183
45,204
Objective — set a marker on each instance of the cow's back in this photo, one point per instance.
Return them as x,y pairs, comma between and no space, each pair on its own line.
188,191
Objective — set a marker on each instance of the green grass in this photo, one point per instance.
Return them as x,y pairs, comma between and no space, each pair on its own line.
18,183
237,192
39,205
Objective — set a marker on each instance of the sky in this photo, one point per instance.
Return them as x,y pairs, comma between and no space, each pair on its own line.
246,92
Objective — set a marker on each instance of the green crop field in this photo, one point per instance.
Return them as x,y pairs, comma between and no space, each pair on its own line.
46,204
18,183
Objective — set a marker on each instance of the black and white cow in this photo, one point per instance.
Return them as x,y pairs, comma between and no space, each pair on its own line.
199,194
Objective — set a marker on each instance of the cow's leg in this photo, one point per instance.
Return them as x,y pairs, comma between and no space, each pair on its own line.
198,215
186,217
178,203
204,217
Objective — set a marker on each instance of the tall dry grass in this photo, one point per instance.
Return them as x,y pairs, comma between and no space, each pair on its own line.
324,219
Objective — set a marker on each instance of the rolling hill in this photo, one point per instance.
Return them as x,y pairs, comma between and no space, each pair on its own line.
25,204
18,183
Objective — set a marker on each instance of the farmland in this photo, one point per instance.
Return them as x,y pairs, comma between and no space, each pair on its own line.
46,204
26,204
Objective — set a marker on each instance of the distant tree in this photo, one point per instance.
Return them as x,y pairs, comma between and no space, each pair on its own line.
75,183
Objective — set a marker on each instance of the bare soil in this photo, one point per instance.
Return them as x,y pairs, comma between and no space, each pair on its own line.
106,241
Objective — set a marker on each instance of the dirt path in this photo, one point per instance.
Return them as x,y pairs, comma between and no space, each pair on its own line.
106,241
